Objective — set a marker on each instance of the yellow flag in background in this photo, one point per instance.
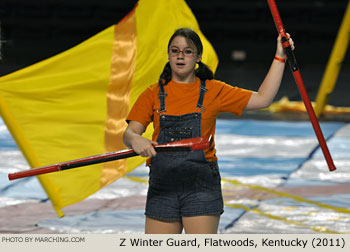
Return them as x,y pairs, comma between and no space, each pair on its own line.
74,104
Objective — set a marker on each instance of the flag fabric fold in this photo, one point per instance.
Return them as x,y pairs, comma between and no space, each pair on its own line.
74,104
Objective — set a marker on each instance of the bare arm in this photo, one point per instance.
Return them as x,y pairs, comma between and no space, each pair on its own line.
133,139
269,87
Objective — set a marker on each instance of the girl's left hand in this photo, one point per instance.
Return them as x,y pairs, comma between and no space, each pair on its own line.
280,51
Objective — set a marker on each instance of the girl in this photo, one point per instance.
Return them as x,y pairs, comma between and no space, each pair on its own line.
184,187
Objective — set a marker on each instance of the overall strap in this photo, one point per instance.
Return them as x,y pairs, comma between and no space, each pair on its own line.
161,96
203,89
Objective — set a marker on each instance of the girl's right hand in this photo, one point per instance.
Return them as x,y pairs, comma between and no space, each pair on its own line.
143,146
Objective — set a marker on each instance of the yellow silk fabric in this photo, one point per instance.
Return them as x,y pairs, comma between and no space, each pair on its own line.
55,110
121,79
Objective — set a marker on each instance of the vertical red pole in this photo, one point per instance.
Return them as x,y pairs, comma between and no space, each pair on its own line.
299,81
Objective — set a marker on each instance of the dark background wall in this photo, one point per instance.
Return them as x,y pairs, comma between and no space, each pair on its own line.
35,30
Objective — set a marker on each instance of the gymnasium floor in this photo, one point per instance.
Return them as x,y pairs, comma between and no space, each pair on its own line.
274,180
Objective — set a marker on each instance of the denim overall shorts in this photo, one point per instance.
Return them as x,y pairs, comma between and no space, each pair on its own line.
182,184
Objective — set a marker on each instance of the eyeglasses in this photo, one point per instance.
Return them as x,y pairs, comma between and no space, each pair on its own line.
186,52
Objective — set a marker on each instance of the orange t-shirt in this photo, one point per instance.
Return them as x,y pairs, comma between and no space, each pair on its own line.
182,99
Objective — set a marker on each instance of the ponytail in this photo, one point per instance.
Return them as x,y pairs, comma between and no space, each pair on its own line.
165,76
203,72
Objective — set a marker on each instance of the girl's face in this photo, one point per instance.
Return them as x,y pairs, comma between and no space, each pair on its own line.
183,58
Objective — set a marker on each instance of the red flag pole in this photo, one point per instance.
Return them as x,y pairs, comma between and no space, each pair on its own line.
198,143
299,81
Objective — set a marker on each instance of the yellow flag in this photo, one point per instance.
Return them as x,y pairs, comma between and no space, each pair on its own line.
74,104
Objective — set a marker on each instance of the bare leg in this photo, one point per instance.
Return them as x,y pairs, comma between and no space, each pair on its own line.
201,224
154,226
